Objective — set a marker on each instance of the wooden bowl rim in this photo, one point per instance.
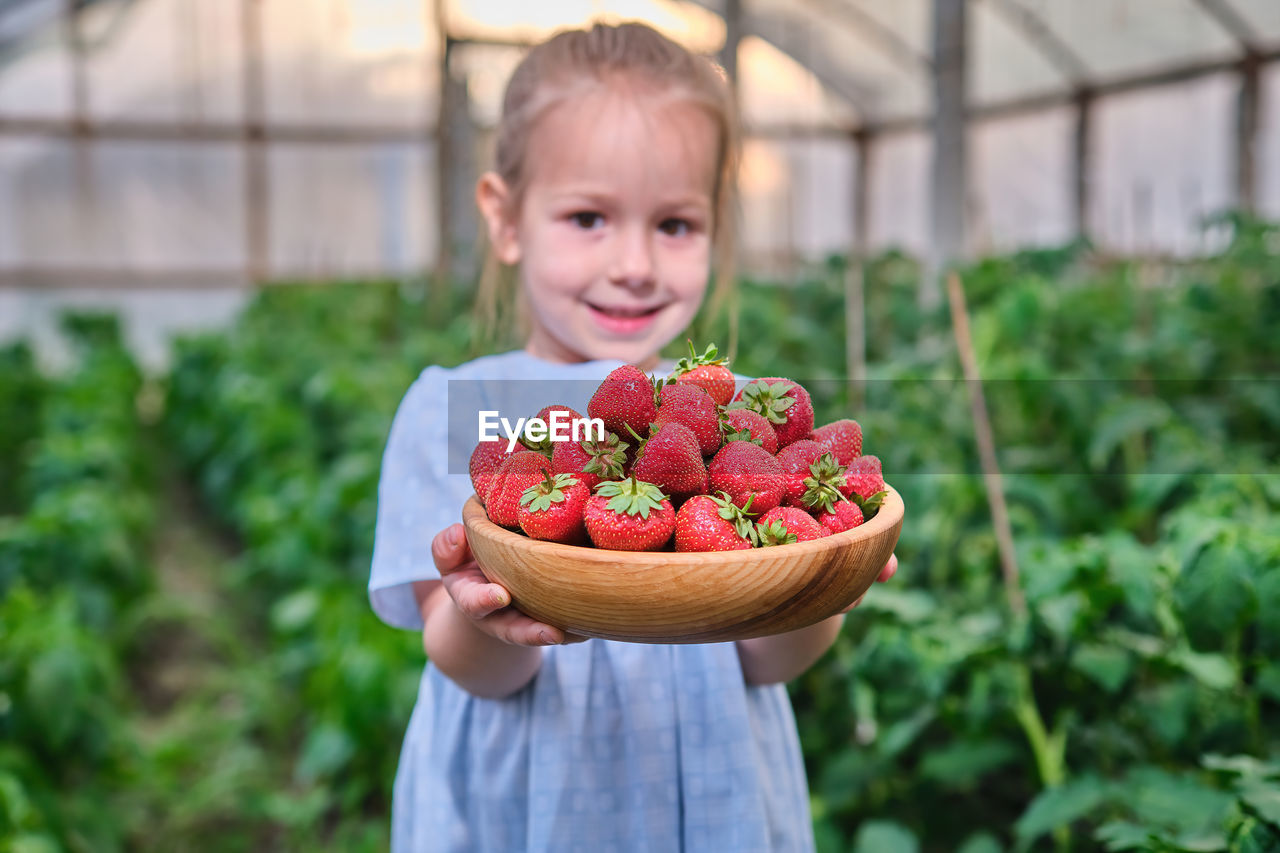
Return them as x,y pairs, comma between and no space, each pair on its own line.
891,512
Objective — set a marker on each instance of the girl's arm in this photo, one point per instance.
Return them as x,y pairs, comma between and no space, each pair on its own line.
782,657
468,630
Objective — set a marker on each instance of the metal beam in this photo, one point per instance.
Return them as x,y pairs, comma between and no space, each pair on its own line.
1229,18
1082,164
1035,30
950,165
1248,107
208,133
256,187
889,42
782,32
732,39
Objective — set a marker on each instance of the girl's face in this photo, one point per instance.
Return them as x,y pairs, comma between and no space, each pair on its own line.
613,234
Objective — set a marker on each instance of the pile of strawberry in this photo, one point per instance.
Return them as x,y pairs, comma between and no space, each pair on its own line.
685,458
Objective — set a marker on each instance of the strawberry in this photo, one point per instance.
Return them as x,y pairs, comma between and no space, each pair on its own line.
747,471
795,459
706,523
844,515
552,509
824,487
865,484
786,524
843,438
746,425
517,472
545,445
710,373
671,460
626,398
590,461
784,403
629,515
864,477
485,460
692,406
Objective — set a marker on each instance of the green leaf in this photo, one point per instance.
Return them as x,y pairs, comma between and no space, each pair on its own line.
1106,666
961,764
1263,799
295,611
981,842
1211,670
909,605
1061,805
1118,835
884,836
1123,420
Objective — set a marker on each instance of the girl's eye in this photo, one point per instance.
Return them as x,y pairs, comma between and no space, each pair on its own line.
675,227
586,219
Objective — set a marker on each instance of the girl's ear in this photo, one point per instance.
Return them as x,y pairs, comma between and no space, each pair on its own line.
493,198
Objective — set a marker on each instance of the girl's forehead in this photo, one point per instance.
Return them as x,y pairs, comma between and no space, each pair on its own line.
623,137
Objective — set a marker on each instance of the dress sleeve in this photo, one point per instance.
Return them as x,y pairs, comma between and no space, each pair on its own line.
417,498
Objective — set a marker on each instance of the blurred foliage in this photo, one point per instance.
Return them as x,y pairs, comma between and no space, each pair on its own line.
72,567
1134,706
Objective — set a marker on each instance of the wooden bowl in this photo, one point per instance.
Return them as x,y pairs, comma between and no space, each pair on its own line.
668,597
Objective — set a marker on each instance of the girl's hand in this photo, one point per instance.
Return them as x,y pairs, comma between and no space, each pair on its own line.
487,605
887,572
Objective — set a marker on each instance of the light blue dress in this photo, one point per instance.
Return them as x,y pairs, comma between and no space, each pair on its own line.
612,746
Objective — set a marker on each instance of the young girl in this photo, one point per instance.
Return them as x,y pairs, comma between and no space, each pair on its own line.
614,170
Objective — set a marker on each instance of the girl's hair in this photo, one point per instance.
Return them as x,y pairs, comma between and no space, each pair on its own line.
574,63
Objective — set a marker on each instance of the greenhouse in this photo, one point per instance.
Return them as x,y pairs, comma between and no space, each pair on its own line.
1032,247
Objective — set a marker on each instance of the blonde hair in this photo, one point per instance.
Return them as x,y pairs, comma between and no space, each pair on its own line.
573,63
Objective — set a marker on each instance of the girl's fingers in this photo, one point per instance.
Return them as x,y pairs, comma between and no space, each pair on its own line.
889,568
473,593
450,549
514,627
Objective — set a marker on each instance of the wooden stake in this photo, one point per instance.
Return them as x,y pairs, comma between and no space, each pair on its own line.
986,447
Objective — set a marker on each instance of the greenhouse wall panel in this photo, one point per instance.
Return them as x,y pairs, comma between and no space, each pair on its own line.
350,211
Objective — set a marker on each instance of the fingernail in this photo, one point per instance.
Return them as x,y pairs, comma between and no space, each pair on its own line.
546,638
499,600
452,537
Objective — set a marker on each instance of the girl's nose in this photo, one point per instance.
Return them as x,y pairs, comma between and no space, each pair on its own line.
632,263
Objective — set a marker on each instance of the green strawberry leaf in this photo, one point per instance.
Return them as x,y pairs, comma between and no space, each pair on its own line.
774,533
869,506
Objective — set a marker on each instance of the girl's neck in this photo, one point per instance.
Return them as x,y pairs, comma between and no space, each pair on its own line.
547,348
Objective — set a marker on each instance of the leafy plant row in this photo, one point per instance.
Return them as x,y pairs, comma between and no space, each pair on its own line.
73,566
281,423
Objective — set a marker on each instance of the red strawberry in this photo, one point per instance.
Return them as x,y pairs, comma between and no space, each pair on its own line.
843,438
747,471
845,515
485,460
629,515
671,460
706,523
710,373
785,403
692,406
746,425
517,472
786,524
590,461
625,399
795,459
864,477
553,508
545,445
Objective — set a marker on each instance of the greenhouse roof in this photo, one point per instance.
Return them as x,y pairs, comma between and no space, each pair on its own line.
874,56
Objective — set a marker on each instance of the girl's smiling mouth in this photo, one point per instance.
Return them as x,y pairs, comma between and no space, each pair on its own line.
623,320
